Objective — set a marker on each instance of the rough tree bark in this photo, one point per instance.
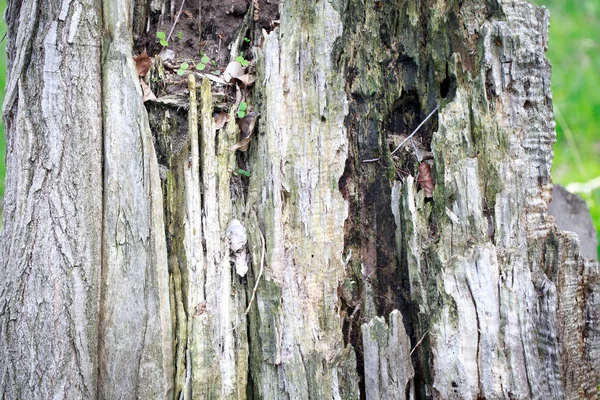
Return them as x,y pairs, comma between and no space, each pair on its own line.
127,231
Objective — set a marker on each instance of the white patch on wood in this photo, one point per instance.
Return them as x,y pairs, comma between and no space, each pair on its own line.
51,93
237,242
453,217
74,25
64,11
387,359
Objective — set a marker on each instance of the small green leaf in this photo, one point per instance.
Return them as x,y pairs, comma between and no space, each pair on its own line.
239,59
180,34
164,43
200,66
241,114
244,172
180,71
246,40
243,106
184,66
244,63
161,35
205,60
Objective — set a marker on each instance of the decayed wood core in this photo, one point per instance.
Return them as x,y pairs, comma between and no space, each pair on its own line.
132,274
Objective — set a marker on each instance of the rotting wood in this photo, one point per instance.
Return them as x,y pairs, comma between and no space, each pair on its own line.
135,318
388,368
358,265
296,161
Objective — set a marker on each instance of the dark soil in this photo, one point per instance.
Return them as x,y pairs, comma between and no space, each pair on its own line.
219,21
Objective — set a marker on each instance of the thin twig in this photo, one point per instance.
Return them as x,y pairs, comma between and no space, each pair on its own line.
419,342
262,264
351,321
412,142
416,130
371,160
404,141
176,19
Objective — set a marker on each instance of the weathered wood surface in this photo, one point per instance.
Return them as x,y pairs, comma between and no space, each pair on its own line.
360,283
572,214
482,275
52,219
387,352
135,344
297,348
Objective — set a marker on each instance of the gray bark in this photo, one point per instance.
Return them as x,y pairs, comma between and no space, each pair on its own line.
359,280
51,244
572,214
135,326
84,292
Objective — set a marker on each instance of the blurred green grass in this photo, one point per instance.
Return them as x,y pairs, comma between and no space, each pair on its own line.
574,51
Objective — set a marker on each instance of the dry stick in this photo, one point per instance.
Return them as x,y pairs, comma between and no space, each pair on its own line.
418,343
410,136
352,321
262,264
415,131
176,19
199,21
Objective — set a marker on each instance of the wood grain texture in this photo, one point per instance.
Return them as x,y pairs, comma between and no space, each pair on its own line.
51,250
297,348
365,281
135,345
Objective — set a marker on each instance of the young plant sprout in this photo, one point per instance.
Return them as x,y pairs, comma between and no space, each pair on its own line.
202,64
162,37
182,68
242,109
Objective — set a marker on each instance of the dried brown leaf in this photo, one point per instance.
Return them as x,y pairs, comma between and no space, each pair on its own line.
167,54
142,63
221,119
146,91
238,94
248,124
234,69
214,78
242,145
425,179
247,79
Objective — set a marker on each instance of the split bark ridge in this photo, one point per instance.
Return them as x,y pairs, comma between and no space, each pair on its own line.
132,248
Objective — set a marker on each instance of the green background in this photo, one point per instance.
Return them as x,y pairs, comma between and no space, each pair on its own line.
574,51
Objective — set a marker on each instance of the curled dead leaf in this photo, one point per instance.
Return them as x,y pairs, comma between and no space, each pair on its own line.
146,91
213,78
167,54
425,179
248,124
234,69
247,79
142,63
221,119
242,145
